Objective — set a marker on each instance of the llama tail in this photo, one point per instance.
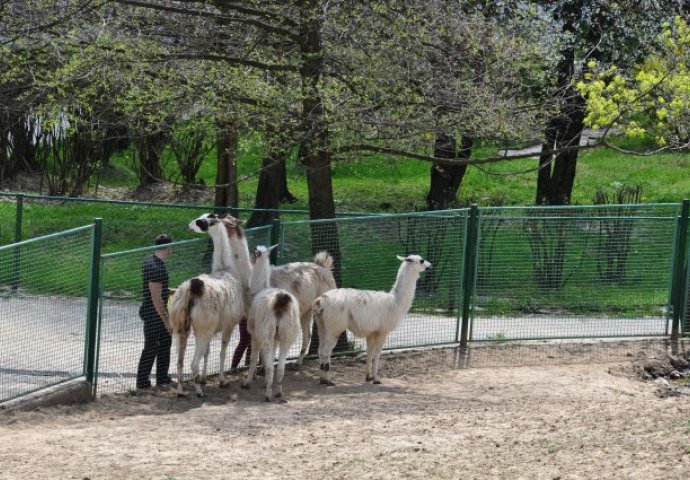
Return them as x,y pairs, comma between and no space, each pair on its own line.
324,259
182,303
317,307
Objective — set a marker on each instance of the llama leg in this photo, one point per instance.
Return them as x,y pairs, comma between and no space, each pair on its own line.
371,341
378,346
202,380
327,341
280,371
305,322
253,360
269,355
223,352
201,350
181,347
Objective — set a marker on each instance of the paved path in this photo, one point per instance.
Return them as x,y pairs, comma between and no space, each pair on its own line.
42,339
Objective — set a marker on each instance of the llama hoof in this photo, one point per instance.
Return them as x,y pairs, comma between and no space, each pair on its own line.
328,383
181,395
377,382
278,395
368,378
200,395
268,399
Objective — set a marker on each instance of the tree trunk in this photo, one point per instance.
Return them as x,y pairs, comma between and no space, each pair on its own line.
446,179
285,195
149,151
226,167
324,236
556,175
267,200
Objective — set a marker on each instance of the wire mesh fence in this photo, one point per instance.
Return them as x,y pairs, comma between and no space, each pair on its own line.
43,304
121,330
365,251
578,272
126,224
511,276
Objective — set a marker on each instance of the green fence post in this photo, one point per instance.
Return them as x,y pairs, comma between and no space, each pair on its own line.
678,286
469,272
275,238
92,303
16,269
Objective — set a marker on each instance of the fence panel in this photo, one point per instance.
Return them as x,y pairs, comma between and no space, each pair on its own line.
43,301
368,249
576,272
8,217
121,329
126,225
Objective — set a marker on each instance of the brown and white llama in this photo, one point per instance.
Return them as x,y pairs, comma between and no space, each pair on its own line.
272,321
208,304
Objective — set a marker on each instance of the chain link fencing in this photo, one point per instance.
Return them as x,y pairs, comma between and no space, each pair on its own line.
43,304
126,224
121,330
365,251
509,277
577,272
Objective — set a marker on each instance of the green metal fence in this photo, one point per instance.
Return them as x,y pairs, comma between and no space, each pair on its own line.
126,224
44,287
121,336
500,276
368,249
577,272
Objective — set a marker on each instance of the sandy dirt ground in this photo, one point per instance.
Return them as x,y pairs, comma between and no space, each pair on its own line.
428,420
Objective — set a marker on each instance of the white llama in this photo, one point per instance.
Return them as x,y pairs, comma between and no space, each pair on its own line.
208,304
273,322
366,313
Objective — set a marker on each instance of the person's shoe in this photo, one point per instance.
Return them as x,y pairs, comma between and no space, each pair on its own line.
143,386
167,381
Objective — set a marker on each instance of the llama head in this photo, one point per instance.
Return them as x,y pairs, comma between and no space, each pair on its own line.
262,252
207,221
415,262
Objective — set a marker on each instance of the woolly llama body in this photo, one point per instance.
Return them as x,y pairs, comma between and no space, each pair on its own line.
305,280
208,304
367,314
273,322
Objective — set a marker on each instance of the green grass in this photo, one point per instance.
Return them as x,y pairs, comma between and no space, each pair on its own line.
383,184
376,183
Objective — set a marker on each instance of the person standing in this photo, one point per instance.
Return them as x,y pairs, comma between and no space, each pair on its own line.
154,314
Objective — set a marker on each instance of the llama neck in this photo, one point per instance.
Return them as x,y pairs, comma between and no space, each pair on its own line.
260,276
404,288
241,262
222,255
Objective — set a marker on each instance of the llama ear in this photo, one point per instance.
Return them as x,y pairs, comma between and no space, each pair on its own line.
272,247
402,259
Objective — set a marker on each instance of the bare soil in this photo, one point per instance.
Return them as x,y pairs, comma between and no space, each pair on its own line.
428,420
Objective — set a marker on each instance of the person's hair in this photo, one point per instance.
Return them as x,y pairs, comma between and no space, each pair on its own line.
163,238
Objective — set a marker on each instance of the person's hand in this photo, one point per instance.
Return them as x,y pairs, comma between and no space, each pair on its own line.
168,327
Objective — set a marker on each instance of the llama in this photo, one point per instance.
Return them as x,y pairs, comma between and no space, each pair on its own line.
208,304
305,280
273,321
367,314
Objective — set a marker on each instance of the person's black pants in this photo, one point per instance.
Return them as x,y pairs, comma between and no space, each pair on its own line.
157,342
